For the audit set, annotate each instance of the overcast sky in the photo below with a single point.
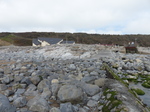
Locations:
(90, 16)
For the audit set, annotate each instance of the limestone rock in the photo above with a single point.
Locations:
(26, 80)
(72, 67)
(20, 102)
(131, 77)
(8, 92)
(54, 81)
(5, 106)
(35, 80)
(70, 93)
(100, 82)
(20, 91)
(38, 104)
(31, 91)
(92, 103)
(54, 88)
(46, 94)
(43, 84)
(91, 89)
(6, 80)
(66, 107)
(93, 73)
(54, 109)
(3, 87)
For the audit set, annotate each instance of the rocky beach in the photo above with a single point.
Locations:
(73, 78)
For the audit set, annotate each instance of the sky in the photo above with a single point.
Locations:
(88, 16)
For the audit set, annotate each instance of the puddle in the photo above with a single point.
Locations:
(145, 98)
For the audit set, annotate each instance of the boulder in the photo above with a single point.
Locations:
(91, 89)
(66, 107)
(100, 82)
(35, 79)
(26, 80)
(5, 106)
(46, 94)
(54, 88)
(8, 92)
(38, 104)
(31, 91)
(43, 84)
(20, 91)
(18, 78)
(20, 102)
(70, 93)
(6, 80)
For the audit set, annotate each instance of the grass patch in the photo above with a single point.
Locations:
(9, 38)
(41, 78)
(114, 75)
(114, 103)
(138, 91)
(146, 84)
(16, 40)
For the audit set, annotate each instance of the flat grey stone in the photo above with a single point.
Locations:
(26, 80)
(6, 80)
(91, 89)
(94, 73)
(46, 94)
(96, 97)
(54, 88)
(20, 91)
(5, 106)
(43, 84)
(88, 79)
(100, 82)
(9, 92)
(54, 109)
(35, 80)
(70, 93)
(20, 102)
(38, 104)
(66, 107)
(92, 103)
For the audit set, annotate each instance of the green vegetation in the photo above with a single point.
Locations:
(138, 91)
(16, 40)
(142, 40)
(113, 74)
(41, 78)
(9, 38)
(146, 84)
(113, 102)
(146, 80)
